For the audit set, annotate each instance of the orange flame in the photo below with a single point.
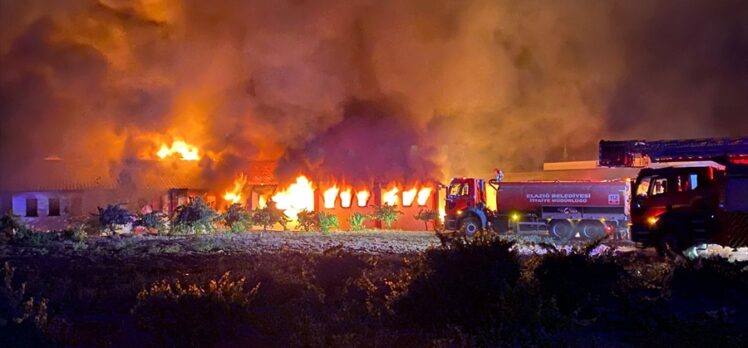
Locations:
(297, 197)
(235, 195)
(262, 202)
(390, 197)
(362, 197)
(185, 151)
(423, 195)
(409, 196)
(329, 197)
(345, 198)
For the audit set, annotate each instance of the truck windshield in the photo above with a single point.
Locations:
(458, 189)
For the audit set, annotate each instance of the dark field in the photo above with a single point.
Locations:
(367, 289)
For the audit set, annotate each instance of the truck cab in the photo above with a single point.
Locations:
(465, 207)
(676, 204)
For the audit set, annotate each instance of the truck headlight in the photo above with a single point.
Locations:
(652, 220)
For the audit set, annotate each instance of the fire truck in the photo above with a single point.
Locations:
(689, 191)
(563, 209)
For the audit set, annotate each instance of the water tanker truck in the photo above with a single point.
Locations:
(562, 209)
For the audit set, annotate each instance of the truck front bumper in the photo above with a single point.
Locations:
(642, 234)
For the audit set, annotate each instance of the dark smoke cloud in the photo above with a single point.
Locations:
(421, 88)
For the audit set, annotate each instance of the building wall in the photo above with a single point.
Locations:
(74, 205)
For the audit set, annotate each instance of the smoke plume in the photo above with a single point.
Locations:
(365, 88)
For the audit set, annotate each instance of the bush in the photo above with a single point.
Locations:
(23, 319)
(236, 218)
(269, 216)
(11, 227)
(193, 315)
(386, 214)
(580, 287)
(308, 220)
(196, 216)
(427, 216)
(114, 215)
(357, 221)
(469, 286)
(327, 222)
(154, 220)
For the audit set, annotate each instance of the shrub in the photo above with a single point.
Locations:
(427, 216)
(308, 220)
(468, 286)
(114, 215)
(327, 222)
(580, 287)
(195, 216)
(23, 319)
(357, 221)
(154, 220)
(193, 315)
(386, 214)
(269, 216)
(11, 227)
(236, 218)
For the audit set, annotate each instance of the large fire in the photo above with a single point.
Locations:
(390, 197)
(179, 148)
(409, 196)
(362, 197)
(345, 198)
(297, 197)
(423, 195)
(235, 194)
(329, 197)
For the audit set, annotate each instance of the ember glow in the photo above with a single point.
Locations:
(329, 197)
(235, 194)
(362, 197)
(179, 148)
(390, 197)
(297, 197)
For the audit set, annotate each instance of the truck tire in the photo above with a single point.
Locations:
(592, 230)
(561, 230)
(470, 226)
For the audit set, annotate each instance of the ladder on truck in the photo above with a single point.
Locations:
(640, 153)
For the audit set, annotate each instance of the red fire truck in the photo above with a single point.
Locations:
(691, 191)
(562, 209)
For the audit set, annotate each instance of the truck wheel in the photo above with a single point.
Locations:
(561, 230)
(470, 226)
(592, 230)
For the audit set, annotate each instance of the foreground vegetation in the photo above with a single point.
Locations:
(477, 293)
